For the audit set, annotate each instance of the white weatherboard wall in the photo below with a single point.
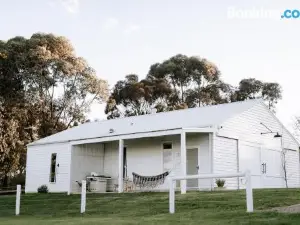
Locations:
(111, 159)
(38, 167)
(292, 159)
(246, 126)
(225, 159)
(255, 149)
(86, 158)
(145, 156)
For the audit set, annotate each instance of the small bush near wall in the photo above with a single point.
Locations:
(220, 183)
(43, 189)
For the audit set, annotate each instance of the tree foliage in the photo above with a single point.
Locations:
(44, 88)
(251, 89)
(183, 82)
(194, 81)
(133, 97)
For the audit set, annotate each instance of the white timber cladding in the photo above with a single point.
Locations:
(292, 160)
(38, 167)
(258, 149)
(145, 156)
(86, 158)
(225, 159)
(246, 126)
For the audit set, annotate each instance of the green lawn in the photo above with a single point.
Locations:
(209, 208)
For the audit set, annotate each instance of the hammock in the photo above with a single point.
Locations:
(149, 181)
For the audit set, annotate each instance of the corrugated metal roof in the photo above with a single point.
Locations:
(194, 117)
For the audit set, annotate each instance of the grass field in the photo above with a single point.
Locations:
(209, 208)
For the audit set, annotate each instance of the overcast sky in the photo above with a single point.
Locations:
(122, 37)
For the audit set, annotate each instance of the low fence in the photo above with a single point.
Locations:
(62, 204)
(18, 192)
(10, 190)
(246, 174)
(14, 201)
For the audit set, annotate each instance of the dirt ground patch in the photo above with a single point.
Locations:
(288, 209)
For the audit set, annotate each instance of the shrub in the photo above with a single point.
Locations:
(220, 182)
(43, 189)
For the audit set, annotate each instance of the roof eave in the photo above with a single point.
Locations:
(132, 136)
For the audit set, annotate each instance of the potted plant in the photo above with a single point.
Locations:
(220, 184)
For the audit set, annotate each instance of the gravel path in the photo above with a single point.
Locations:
(288, 209)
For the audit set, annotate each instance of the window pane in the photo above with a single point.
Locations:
(167, 145)
(124, 162)
(167, 156)
(53, 168)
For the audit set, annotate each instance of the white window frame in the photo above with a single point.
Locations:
(162, 153)
(55, 177)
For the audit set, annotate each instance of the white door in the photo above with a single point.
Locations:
(204, 162)
(249, 159)
(192, 167)
(264, 164)
(272, 175)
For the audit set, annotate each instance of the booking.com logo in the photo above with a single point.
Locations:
(262, 13)
(291, 14)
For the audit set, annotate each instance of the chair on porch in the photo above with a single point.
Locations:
(127, 184)
(87, 184)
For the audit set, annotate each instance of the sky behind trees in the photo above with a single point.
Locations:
(123, 37)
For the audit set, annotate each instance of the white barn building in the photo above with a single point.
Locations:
(223, 138)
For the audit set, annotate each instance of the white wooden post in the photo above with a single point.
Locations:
(18, 199)
(171, 196)
(83, 196)
(120, 179)
(210, 156)
(249, 194)
(183, 161)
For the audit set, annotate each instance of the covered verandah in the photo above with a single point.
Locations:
(111, 159)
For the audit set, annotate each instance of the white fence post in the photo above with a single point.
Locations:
(18, 199)
(249, 194)
(171, 196)
(247, 175)
(83, 196)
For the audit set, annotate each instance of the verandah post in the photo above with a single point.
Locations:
(121, 166)
(183, 161)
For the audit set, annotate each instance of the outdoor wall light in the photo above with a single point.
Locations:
(277, 135)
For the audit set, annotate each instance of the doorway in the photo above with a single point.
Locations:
(192, 167)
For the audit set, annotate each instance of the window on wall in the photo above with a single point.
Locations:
(167, 157)
(124, 162)
(53, 168)
(167, 146)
